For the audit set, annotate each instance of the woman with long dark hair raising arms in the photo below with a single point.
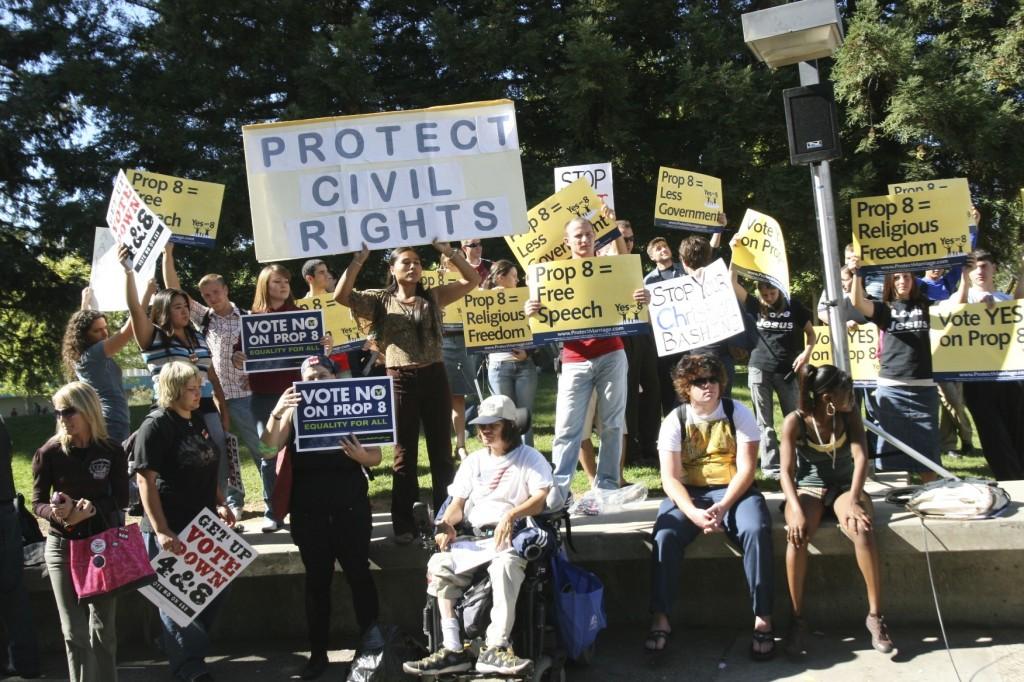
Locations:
(406, 321)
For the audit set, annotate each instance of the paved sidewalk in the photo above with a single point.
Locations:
(836, 656)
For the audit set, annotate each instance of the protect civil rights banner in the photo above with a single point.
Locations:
(187, 583)
(189, 208)
(338, 321)
(864, 351)
(688, 201)
(327, 185)
(274, 341)
(586, 298)
(495, 320)
(599, 175)
(759, 251)
(106, 279)
(688, 311)
(334, 408)
(911, 231)
(971, 342)
(135, 225)
(544, 242)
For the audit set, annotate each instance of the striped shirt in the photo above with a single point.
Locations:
(223, 334)
(166, 349)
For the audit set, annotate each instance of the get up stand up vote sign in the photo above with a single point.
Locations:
(325, 186)
(363, 406)
(187, 583)
(274, 341)
(135, 225)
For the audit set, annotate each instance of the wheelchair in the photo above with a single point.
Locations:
(534, 635)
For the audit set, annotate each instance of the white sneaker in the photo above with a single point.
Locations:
(237, 512)
(271, 525)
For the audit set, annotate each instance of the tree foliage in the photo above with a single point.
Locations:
(927, 88)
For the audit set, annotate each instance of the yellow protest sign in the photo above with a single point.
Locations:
(545, 240)
(862, 343)
(587, 298)
(189, 208)
(451, 314)
(913, 230)
(971, 342)
(338, 321)
(494, 319)
(759, 251)
(688, 201)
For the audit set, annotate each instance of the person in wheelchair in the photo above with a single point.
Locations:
(494, 487)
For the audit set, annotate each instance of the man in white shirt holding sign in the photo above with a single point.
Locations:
(497, 485)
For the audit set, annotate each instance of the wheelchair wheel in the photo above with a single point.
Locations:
(586, 656)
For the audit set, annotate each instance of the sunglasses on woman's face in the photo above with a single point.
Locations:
(701, 382)
(66, 412)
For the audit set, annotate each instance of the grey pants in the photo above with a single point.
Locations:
(90, 634)
(762, 386)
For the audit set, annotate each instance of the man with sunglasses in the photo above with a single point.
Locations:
(473, 249)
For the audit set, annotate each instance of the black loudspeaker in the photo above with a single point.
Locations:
(812, 124)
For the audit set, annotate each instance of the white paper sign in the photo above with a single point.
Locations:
(599, 175)
(187, 583)
(690, 312)
(107, 277)
(136, 225)
(468, 554)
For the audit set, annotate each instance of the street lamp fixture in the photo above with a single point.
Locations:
(793, 33)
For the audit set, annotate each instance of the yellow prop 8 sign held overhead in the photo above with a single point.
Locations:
(911, 231)
(189, 208)
(587, 298)
(688, 201)
(545, 240)
(338, 321)
(759, 251)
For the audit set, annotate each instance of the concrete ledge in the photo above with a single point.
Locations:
(977, 567)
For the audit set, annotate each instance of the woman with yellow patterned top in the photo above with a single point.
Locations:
(708, 451)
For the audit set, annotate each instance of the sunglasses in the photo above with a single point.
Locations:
(66, 412)
(701, 382)
(473, 246)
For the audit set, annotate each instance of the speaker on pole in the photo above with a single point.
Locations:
(812, 124)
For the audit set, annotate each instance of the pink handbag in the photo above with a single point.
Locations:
(113, 561)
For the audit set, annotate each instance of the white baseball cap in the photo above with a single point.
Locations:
(496, 408)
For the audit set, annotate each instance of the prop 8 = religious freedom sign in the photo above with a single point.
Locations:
(187, 583)
(325, 186)
(135, 225)
(688, 201)
(972, 342)
(281, 340)
(495, 320)
(688, 311)
(914, 230)
(586, 298)
(331, 409)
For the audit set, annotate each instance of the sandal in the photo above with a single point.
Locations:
(656, 640)
(880, 639)
(760, 637)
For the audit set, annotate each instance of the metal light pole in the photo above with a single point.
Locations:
(801, 33)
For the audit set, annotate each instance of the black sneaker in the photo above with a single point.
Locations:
(315, 667)
(441, 662)
(501, 661)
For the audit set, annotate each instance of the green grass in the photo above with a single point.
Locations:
(29, 432)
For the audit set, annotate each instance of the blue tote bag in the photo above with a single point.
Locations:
(579, 604)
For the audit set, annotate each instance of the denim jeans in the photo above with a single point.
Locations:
(518, 381)
(15, 612)
(186, 647)
(261, 408)
(607, 375)
(243, 422)
(90, 631)
(215, 427)
(762, 387)
(747, 523)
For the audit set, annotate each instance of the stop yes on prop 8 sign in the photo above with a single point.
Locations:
(135, 225)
